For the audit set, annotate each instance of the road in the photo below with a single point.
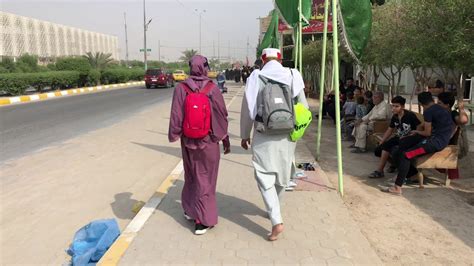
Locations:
(114, 152)
(29, 127)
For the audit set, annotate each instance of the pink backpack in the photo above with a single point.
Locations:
(197, 112)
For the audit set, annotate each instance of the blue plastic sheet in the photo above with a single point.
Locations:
(92, 241)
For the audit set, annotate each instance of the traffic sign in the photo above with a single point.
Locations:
(143, 50)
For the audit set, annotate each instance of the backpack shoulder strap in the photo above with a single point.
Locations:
(209, 86)
(187, 88)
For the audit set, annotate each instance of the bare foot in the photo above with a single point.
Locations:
(276, 230)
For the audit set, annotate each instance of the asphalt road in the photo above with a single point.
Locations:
(25, 128)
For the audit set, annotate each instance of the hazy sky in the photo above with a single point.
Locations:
(175, 23)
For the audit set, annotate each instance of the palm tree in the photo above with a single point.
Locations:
(187, 55)
(98, 60)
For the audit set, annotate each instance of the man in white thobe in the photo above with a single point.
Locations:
(273, 155)
(381, 111)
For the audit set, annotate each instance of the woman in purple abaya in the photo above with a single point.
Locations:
(200, 156)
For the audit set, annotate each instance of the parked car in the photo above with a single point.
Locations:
(179, 75)
(158, 78)
(212, 74)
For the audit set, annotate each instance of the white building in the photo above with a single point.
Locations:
(20, 35)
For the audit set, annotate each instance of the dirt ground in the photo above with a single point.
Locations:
(431, 226)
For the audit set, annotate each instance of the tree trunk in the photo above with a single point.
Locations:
(399, 80)
(376, 78)
(385, 74)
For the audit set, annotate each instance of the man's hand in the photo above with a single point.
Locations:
(245, 144)
(226, 144)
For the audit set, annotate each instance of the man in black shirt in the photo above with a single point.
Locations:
(438, 128)
(350, 86)
(402, 123)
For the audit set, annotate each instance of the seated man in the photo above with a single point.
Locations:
(348, 113)
(403, 121)
(349, 107)
(381, 111)
(447, 100)
(438, 129)
(368, 100)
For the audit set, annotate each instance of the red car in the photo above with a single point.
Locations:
(158, 78)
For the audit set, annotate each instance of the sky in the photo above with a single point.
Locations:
(174, 26)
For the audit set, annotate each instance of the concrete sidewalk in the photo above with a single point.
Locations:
(318, 227)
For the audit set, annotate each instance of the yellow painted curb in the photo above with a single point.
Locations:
(120, 246)
(4, 101)
(44, 96)
(24, 99)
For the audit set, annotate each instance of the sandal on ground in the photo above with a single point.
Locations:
(391, 190)
(376, 174)
(359, 150)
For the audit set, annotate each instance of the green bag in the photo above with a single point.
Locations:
(303, 118)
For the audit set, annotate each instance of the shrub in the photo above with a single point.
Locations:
(79, 64)
(136, 73)
(93, 78)
(17, 83)
(8, 64)
(27, 63)
(114, 76)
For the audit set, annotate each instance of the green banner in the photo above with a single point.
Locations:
(270, 39)
(356, 25)
(289, 11)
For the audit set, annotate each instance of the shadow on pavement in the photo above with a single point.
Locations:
(231, 208)
(122, 205)
(165, 149)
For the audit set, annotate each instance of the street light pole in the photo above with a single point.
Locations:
(126, 38)
(144, 36)
(145, 28)
(200, 18)
(200, 51)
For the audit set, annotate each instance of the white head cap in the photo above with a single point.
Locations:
(271, 53)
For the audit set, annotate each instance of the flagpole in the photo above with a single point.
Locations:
(296, 47)
(322, 79)
(300, 31)
(335, 44)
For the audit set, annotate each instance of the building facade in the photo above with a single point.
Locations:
(21, 35)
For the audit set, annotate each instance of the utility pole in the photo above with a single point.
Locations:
(126, 38)
(247, 47)
(218, 47)
(200, 51)
(214, 49)
(230, 59)
(144, 36)
(145, 28)
(159, 51)
(200, 18)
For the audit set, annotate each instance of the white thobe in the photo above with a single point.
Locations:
(381, 111)
(273, 155)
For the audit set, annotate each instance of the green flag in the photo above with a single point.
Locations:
(356, 25)
(289, 11)
(270, 39)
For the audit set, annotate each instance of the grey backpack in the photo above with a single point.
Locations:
(275, 108)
